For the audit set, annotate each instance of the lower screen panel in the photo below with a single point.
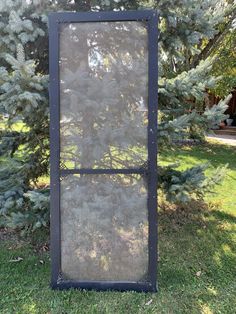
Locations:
(104, 228)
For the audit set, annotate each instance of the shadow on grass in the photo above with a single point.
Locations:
(196, 272)
(197, 255)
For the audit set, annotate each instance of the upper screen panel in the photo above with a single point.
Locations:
(103, 94)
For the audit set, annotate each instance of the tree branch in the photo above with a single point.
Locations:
(214, 42)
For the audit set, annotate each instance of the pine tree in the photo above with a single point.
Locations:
(187, 29)
(24, 99)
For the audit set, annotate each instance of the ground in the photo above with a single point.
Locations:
(197, 260)
(225, 139)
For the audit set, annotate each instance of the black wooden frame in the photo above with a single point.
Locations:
(55, 19)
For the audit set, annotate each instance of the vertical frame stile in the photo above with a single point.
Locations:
(152, 146)
(55, 20)
(54, 149)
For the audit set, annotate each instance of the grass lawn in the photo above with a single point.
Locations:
(197, 267)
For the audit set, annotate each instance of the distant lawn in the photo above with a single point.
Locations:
(17, 126)
(197, 266)
(217, 155)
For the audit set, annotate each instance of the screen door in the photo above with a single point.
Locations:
(103, 98)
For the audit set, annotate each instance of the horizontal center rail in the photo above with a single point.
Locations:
(66, 172)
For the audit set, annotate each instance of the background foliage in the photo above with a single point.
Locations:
(192, 33)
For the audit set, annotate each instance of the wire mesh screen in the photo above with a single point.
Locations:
(103, 94)
(104, 227)
(103, 124)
